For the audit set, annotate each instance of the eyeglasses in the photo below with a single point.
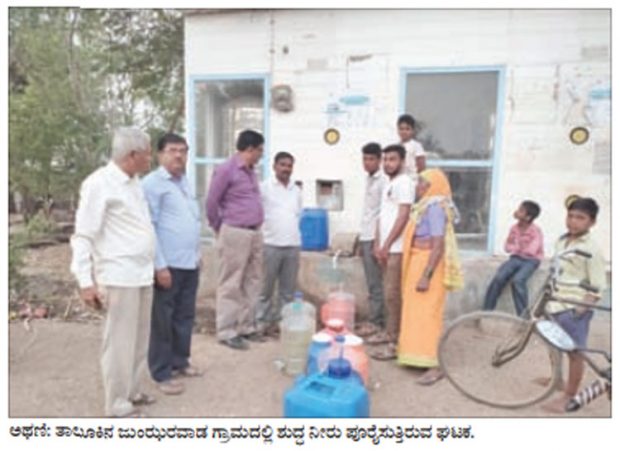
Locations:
(181, 150)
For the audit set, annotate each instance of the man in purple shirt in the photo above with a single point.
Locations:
(235, 212)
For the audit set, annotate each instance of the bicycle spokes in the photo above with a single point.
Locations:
(494, 358)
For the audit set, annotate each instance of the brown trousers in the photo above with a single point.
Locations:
(392, 294)
(239, 285)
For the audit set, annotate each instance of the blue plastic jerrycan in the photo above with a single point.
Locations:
(336, 393)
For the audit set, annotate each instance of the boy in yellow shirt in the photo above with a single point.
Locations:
(575, 320)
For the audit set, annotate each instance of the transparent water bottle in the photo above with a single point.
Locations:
(354, 352)
(337, 365)
(297, 327)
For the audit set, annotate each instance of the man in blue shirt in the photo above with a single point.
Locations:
(176, 219)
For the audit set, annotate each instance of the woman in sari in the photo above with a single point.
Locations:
(430, 267)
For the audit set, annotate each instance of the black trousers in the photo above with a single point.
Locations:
(172, 320)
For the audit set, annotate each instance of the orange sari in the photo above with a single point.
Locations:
(422, 312)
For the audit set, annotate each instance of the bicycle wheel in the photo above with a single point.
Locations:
(466, 355)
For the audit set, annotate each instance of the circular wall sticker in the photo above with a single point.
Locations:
(331, 136)
(579, 135)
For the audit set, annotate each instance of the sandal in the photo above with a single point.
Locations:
(272, 331)
(385, 353)
(188, 371)
(379, 338)
(366, 330)
(142, 399)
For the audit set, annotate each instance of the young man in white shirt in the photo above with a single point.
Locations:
(375, 180)
(396, 200)
(281, 199)
(415, 160)
(113, 260)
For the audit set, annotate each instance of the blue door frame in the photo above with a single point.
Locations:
(193, 160)
(495, 161)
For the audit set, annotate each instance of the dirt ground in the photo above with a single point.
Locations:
(54, 372)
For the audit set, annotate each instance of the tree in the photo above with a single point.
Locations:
(145, 58)
(74, 76)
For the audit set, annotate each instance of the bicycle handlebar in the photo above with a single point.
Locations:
(581, 284)
(579, 252)
(583, 254)
(556, 271)
(580, 303)
(586, 286)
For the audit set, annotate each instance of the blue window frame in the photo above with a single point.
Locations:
(219, 107)
(459, 117)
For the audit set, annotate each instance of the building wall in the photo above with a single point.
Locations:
(557, 76)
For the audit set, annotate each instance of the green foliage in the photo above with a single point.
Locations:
(16, 262)
(39, 226)
(75, 75)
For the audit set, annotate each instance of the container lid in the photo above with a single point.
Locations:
(353, 340)
(322, 337)
(339, 368)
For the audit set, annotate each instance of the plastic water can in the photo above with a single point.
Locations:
(354, 352)
(321, 342)
(334, 327)
(296, 330)
(314, 229)
(339, 305)
(324, 348)
(333, 394)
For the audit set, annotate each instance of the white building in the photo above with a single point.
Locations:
(497, 94)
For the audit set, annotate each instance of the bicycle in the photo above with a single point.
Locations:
(507, 361)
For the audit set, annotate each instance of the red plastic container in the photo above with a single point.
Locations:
(339, 305)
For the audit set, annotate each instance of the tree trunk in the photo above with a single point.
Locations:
(178, 113)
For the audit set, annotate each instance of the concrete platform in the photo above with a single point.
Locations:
(317, 278)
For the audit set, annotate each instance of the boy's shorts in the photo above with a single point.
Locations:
(575, 325)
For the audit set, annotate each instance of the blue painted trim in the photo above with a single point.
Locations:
(208, 160)
(495, 180)
(495, 162)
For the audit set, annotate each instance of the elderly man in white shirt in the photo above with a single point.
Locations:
(113, 261)
(282, 240)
